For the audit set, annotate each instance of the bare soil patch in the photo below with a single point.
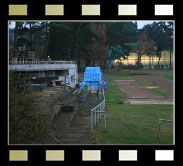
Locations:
(161, 82)
(137, 94)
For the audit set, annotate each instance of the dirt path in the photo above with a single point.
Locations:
(137, 94)
(161, 82)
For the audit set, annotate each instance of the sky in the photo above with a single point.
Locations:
(140, 24)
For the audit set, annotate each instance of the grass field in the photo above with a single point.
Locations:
(133, 124)
(136, 124)
(139, 72)
(170, 77)
(113, 95)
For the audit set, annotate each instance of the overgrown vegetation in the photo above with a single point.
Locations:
(26, 123)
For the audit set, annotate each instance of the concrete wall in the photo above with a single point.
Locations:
(41, 67)
(46, 70)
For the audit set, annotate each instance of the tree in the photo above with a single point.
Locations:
(120, 34)
(150, 50)
(141, 47)
(169, 32)
(116, 53)
(72, 41)
(161, 34)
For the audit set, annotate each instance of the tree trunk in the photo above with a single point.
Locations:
(87, 62)
(104, 65)
(108, 65)
(30, 24)
(138, 62)
(22, 38)
(93, 62)
(46, 43)
(78, 60)
(15, 39)
(159, 59)
(170, 59)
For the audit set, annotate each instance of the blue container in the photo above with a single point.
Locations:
(92, 77)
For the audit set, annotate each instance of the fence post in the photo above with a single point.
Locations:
(159, 130)
(95, 117)
(91, 121)
(105, 120)
(98, 114)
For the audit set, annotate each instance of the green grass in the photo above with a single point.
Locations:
(170, 77)
(135, 124)
(126, 72)
(114, 95)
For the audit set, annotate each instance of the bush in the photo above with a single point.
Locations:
(26, 124)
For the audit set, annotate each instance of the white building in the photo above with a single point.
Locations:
(43, 69)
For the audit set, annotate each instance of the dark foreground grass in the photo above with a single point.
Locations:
(136, 124)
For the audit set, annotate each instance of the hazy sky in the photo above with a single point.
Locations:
(140, 24)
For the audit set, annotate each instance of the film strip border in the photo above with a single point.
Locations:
(89, 9)
(90, 155)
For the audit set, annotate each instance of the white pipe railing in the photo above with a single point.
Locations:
(96, 114)
(163, 120)
(40, 62)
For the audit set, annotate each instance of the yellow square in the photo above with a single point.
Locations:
(18, 155)
(54, 9)
(54, 155)
(90, 9)
(17, 10)
(91, 155)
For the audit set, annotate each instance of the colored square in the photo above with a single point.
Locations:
(91, 155)
(163, 10)
(54, 155)
(127, 155)
(90, 10)
(127, 9)
(54, 10)
(164, 155)
(18, 155)
(15, 10)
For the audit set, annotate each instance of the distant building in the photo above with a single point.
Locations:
(148, 60)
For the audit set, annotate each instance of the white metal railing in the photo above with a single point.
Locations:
(40, 62)
(162, 120)
(96, 114)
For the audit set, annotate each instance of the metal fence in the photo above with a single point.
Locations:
(23, 62)
(96, 114)
(162, 120)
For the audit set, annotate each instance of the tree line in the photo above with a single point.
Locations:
(89, 43)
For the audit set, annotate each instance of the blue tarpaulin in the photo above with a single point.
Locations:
(92, 78)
